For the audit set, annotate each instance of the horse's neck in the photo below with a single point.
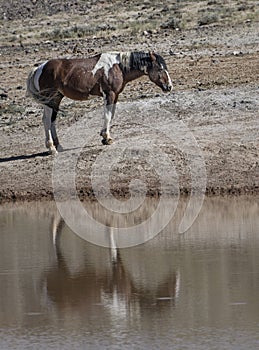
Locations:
(134, 65)
(132, 75)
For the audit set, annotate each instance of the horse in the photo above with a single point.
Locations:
(104, 74)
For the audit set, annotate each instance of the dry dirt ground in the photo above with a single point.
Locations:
(209, 122)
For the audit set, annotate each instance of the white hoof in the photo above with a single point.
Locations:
(53, 151)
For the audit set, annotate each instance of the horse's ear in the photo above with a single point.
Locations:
(152, 56)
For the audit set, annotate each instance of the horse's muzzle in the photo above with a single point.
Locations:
(166, 88)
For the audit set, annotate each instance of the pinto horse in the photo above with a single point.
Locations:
(104, 75)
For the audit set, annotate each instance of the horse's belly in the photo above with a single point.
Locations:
(79, 84)
(96, 91)
(75, 94)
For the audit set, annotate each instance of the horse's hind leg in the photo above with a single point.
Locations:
(54, 135)
(47, 114)
(57, 98)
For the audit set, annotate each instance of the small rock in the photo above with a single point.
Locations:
(3, 94)
(165, 9)
(237, 53)
(172, 23)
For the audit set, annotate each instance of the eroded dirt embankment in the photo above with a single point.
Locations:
(217, 126)
(214, 69)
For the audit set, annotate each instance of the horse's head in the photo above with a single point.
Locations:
(158, 72)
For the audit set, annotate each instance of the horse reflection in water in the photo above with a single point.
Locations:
(104, 75)
(104, 278)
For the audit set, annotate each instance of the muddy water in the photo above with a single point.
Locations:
(197, 290)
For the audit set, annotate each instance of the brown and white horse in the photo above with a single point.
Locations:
(104, 75)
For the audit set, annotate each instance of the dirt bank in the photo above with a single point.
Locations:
(212, 114)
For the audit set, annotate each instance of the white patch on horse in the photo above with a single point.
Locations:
(37, 75)
(106, 61)
(125, 60)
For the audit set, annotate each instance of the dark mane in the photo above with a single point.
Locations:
(139, 60)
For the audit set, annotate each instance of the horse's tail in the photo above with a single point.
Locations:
(31, 88)
(42, 97)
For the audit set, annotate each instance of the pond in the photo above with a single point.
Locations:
(195, 290)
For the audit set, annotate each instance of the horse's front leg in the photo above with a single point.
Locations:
(109, 111)
(47, 114)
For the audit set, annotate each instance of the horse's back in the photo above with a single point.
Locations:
(72, 77)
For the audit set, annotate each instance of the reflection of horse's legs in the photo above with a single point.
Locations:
(109, 111)
(57, 227)
(47, 114)
(113, 245)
